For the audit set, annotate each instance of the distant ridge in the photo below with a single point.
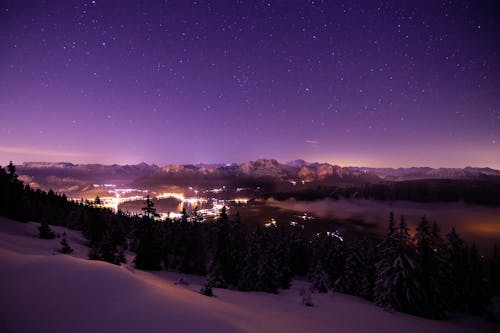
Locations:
(260, 168)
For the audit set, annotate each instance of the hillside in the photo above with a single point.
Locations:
(44, 291)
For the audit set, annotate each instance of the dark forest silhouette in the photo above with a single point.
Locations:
(428, 274)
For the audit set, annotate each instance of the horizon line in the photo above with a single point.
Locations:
(252, 160)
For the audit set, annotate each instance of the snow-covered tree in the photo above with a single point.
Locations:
(319, 278)
(267, 267)
(358, 276)
(65, 247)
(395, 284)
(248, 276)
(207, 290)
(328, 261)
(282, 258)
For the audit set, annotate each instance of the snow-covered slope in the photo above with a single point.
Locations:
(44, 291)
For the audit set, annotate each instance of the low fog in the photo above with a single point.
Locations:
(479, 224)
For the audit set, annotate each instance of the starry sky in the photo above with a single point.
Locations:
(372, 83)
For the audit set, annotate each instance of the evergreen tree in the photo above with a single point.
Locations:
(149, 209)
(358, 277)
(65, 248)
(328, 261)
(45, 232)
(148, 251)
(299, 252)
(282, 258)
(249, 272)
(267, 268)
(266, 264)
(456, 257)
(106, 249)
(395, 284)
(192, 260)
(166, 244)
(207, 290)
(185, 216)
(319, 278)
(476, 298)
(493, 311)
(237, 247)
(11, 169)
(219, 265)
(494, 273)
(430, 271)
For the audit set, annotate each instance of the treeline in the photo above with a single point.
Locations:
(229, 256)
(484, 192)
(106, 231)
(427, 274)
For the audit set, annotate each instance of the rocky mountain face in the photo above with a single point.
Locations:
(265, 168)
(76, 176)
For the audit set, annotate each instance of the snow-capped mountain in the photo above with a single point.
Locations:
(68, 177)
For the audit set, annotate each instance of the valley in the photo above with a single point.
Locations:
(310, 197)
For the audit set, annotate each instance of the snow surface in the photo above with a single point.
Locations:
(42, 290)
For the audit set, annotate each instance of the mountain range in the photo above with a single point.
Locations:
(68, 177)
(260, 168)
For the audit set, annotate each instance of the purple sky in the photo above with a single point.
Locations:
(374, 83)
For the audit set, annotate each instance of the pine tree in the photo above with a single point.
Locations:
(358, 277)
(395, 285)
(185, 216)
(207, 290)
(299, 252)
(328, 261)
(108, 250)
(149, 209)
(45, 232)
(494, 273)
(249, 270)
(475, 286)
(430, 271)
(493, 311)
(319, 278)
(219, 265)
(456, 257)
(192, 259)
(237, 247)
(148, 252)
(65, 248)
(282, 257)
(267, 268)
(11, 169)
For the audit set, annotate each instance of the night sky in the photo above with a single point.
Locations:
(372, 83)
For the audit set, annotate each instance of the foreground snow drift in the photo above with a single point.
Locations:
(43, 291)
